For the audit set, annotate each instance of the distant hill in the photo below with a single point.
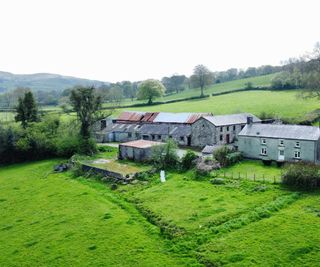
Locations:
(42, 81)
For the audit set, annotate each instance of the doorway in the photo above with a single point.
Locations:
(228, 138)
(281, 155)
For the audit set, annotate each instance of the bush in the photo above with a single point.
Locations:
(188, 160)
(218, 181)
(302, 175)
(267, 162)
(165, 156)
(227, 156)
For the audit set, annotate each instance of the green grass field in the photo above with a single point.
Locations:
(57, 220)
(284, 104)
(259, 81)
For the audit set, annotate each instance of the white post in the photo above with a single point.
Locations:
(162, 176)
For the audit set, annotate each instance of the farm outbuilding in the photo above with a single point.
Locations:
(139, 150)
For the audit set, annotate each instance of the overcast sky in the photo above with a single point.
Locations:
(114, 40)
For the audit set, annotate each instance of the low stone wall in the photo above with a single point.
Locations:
(103, 172)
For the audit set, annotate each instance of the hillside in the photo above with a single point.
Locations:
(284, 104)
(41, 81)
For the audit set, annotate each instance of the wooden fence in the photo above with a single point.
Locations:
(276, 179)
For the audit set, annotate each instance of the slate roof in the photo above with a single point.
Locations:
(209, 149)
(141, 143)
(122, 127)
(165, 129)
(298, 132)
(231, 119)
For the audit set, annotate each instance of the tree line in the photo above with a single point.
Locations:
(116, 92)
(301, 73)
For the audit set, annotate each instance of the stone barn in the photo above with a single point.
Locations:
(138, 150)
(220, 129)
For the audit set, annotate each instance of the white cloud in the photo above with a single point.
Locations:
(122, 39)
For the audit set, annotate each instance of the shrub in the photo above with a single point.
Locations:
(217, 181)
(165, 156)
(302, 175)
(267, 162)
(188, 160)
(227, 156)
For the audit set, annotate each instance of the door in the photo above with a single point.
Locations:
(228, 138)
(281, 155)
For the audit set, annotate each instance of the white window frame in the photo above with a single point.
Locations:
(264, 151)
(297, 154)
(263, 141)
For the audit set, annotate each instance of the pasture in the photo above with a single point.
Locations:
(61, 220)
(283, 104)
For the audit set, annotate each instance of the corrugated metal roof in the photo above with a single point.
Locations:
(131, 116)
(298, 132)
(231, 119)
(122, 127)
(141, 144)
(149, 116)
(189, 118)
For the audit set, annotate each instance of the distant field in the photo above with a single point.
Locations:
(259, 81)
(284, 104)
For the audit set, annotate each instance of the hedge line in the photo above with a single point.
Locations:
(160, 102)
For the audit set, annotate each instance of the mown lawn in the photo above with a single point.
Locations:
(283, 104)
(55, 220)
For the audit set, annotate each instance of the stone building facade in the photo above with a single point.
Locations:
(280, 142)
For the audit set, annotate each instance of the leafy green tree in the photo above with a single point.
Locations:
(27, 110)
(201, 77)
(165, 156)
(87, 104)
(149, 89)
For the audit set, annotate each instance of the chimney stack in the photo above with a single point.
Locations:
(249, 120)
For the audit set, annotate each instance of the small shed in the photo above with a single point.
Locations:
(138, 150)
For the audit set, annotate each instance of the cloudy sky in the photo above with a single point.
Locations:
(114, 40)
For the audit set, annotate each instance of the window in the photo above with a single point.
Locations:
(234, 127)
(264, 151)
(263, 141)
(153, 136)
(297, 144)
(297, 154)
(281, 142)
(159, 137)
(227, 128)
(221, 129)
(221, 137)
(281, 152)
(170, 136)
(129, 135)
(181, 138)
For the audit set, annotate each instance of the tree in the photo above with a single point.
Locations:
(174, 83)
(150, 89)
(87, 105)
(27, 110)
(201, 77)
(165, 156)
